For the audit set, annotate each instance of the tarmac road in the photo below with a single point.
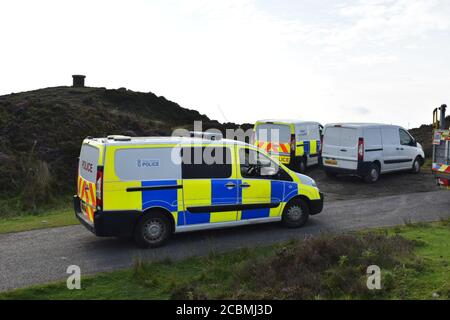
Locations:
(42, 256)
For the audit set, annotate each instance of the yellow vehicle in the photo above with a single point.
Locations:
(296, 144)
(441, 148)
(153, 187)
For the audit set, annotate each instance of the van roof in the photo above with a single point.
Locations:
(359, 125)
(290, 121)
(124, 140)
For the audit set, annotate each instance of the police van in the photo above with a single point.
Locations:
(296, 143)
(152, 187)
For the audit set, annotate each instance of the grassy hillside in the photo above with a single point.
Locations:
(41, 132)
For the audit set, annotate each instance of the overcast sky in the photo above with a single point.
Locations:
(329, 61)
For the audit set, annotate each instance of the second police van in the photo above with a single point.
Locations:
(150, 188)
(295, 143)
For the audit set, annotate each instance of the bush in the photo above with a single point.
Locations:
(330, 267)
(31, 179)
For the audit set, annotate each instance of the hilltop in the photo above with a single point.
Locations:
(41, 132)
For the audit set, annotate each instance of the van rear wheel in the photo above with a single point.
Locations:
(373, 174)
(299, 165)
(295, 213)
(152, 230)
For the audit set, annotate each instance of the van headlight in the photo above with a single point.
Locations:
(307, 180)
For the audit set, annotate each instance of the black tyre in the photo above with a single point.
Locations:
(152, 230)
(295, 213)
(373, 174)
(416, 166)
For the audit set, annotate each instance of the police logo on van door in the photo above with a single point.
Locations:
(147, 163)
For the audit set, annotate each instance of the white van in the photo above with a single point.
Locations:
(368, 150)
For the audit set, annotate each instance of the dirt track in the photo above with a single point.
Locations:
(350, 187)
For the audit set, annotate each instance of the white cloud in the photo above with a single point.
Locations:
(379, 23)
(253, 61)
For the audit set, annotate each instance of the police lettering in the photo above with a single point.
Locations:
(86, 166)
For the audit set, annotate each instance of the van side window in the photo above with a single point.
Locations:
(256, 165)
(139, 164)
(390, 136)
(405, 138)
(206, 163)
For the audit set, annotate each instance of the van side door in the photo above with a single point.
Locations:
(210, 187)
(373, 146)
(261, 186)
(391, 148)
(408, 148)
(314, 144)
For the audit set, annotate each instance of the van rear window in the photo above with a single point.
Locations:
(88, 162)
(273, 133)
(342, 137)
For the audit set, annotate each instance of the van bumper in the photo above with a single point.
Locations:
(80, 216)
(361, 170)
(316, 206)
(108, 223)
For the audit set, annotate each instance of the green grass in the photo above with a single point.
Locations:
(429, 273)
(414, 269)
(14, 217)
(54, 218)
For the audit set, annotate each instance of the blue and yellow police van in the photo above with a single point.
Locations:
(152, 187)
(296, 143)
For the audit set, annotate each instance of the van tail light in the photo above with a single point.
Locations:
(361, 149)
(292, 143)
(99, 188)
(321, 145)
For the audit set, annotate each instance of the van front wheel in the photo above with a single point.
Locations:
(416, 166)
(295, 213)
(152, 230)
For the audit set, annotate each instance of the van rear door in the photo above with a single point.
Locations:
(274, 138)
(86, 182)
(340, 147)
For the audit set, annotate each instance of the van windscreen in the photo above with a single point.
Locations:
(273, 133)
(88, 163)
